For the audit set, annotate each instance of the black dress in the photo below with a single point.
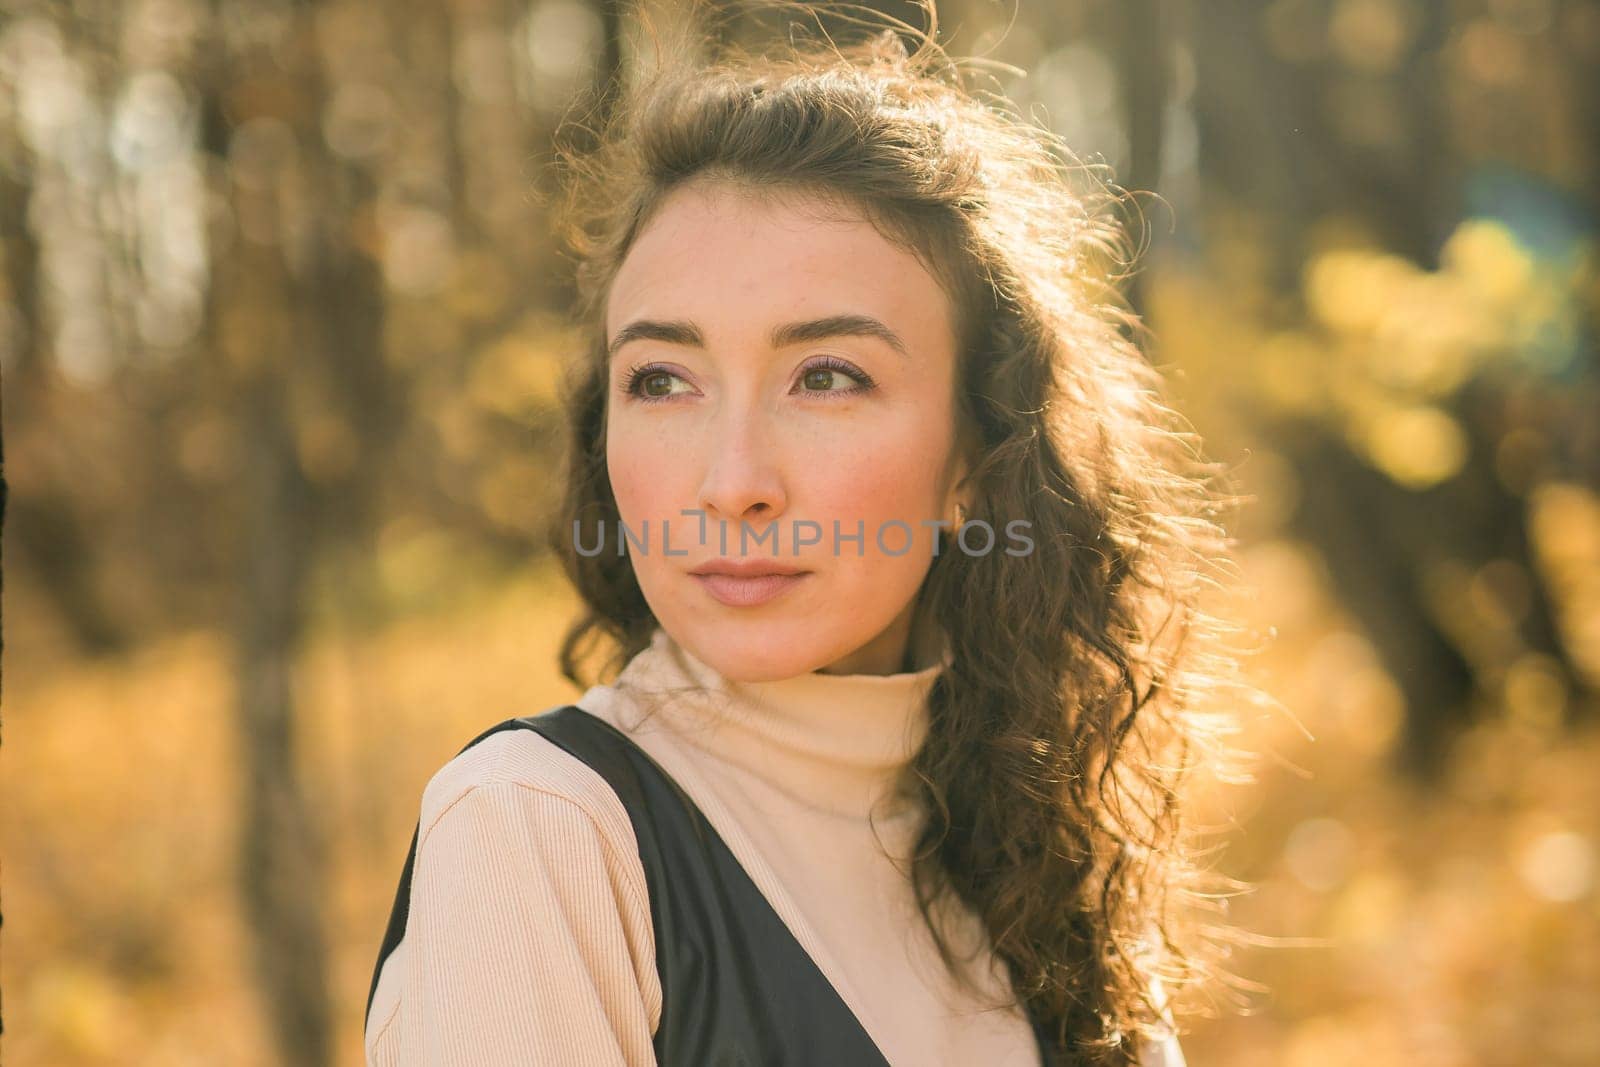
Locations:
(737, 989)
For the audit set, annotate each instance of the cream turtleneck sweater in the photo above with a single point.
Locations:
(529, 937)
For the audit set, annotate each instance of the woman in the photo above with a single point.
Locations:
(892, 540)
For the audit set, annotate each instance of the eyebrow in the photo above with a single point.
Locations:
(679, 332)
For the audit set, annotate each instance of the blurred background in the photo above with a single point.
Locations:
(281, 327)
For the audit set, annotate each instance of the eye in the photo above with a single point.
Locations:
(651, 382)
(830, 374)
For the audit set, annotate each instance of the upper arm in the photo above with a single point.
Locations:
(529, 935)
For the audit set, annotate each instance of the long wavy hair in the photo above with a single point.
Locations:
(1076, 703)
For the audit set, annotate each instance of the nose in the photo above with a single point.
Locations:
(743, 480)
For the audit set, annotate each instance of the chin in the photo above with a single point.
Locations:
(755, 651)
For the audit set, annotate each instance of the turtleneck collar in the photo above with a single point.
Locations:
(833, 742)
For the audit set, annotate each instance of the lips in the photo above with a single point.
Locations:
(747, 583)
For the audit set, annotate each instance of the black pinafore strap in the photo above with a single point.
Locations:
(738, 990)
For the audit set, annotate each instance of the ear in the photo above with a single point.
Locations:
(958, 506)
(961, 491)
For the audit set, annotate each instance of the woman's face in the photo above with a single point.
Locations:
(775, 372)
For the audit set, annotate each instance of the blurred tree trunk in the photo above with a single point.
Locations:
(252, 318)
(281, 868)
(1142, 41)
(594, 106)
(609, 74)
(1273, 140)
(19, 251)
(295, 319)
(1366, 529)
(5, 492)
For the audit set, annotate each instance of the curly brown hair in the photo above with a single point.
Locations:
(1062, 732)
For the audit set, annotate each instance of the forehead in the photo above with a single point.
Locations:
(730, 260)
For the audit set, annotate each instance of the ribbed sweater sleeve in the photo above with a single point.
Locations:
(528, 938)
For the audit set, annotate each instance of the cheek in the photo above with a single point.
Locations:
(641, 469)
(885, 478)
(629, 479)
(640, 483)
(878, 492)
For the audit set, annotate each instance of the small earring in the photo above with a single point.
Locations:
(961, 516)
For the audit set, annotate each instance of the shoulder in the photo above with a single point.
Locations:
(521, 771)
(528, 892)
